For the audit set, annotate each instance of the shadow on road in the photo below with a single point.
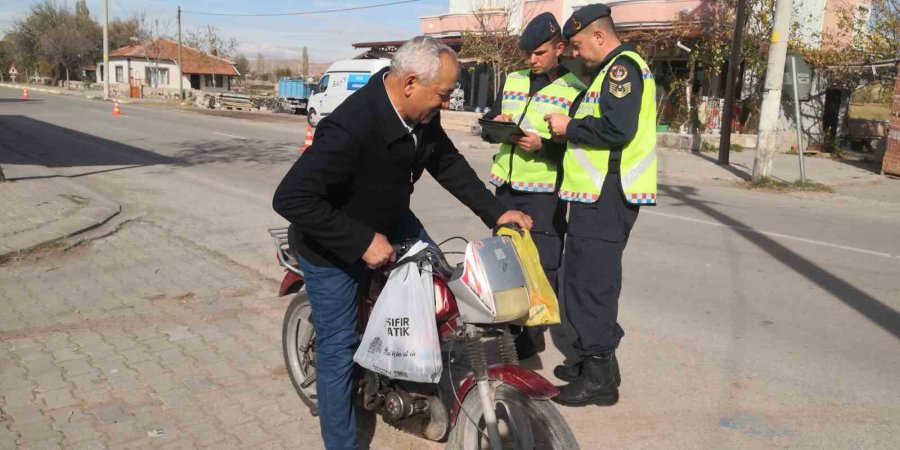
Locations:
(20, 100)
(742, 174)
(25, 141)
(882, 315)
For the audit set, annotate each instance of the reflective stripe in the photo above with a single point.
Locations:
(585, 163)
(632, 175)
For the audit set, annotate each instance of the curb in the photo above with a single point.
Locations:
(123, 101)
(98, 212)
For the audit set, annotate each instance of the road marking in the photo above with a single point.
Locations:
(230, 135)
(773, 234)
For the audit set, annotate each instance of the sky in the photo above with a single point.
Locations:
(327, 36)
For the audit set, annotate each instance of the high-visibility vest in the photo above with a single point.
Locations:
(532, 171)
(585, 167)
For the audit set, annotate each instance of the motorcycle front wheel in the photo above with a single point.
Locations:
(298, 340)
(524, 423)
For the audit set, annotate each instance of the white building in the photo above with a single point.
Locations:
(150, 69)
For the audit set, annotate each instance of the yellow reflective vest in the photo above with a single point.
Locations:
(585, 167)
(532, 171)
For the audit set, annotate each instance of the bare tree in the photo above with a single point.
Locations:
(494, 39)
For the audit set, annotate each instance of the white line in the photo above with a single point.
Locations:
(777, 235)
(229, 135)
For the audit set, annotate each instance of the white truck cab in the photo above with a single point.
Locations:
(342, 79)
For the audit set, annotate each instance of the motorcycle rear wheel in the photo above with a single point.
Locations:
(301, 366)
(524, 423)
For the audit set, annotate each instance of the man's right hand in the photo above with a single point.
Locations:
(517, 217)
(503, 118)
(379, 253)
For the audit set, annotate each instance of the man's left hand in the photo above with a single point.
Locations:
(557, 124)
(517, 217)
(531, 142)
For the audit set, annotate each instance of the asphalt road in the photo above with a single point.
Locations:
(752, 319)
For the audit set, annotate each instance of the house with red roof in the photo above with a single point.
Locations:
(142, 67)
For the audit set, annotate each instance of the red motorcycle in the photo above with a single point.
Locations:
(479, 405)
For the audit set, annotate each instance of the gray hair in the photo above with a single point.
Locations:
(422, 56)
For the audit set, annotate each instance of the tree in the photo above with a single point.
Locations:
(122, 31)
(260, 65)
(304, 62)
(242, 64)
(493, 41)
(282, 72)
(210, 40)
(53, 36)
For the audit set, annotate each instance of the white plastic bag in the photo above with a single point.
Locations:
(401, 338)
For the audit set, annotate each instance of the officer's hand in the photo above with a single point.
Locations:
(531, 142)
(379, 253)
(557, 124)
(503, 118)
(517, 217)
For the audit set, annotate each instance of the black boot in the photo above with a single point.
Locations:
(571, 373)
(529, 341)
(596, 384)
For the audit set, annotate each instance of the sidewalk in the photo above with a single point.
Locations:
(39, 206)
(851, 178)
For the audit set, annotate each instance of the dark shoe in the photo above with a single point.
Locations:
(572, 372)
(595, 386)
(530, 342)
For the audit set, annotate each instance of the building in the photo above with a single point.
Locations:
(150, 69)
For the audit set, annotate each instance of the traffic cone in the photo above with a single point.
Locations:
(309, 138)
(24, 93)
(116, 110)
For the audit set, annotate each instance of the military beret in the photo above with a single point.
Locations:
(583, 17)
(541, 29)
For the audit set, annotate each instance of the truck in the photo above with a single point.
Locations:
(295, 92)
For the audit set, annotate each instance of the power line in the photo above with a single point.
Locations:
(305, 13)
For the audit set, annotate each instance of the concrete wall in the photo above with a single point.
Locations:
(136, 68)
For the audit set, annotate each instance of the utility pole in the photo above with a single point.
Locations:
(180, 61)
(105, 49)
(771, 103)
(733, 64)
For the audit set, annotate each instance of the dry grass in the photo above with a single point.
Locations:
(870, 111)
(771, 184)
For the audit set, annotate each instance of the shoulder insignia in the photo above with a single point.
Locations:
(618, 72)
(620, 90)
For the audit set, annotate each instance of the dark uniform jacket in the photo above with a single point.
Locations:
(357, 177)
(619, 122)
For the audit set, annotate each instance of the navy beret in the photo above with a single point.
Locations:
(583, 17)
(541, 29)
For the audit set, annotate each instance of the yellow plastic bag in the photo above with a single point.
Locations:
(544, 305)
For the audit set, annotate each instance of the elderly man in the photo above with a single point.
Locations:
(348, 198)
(609, 172)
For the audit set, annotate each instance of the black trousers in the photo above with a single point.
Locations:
(597, 234)
(549, 216)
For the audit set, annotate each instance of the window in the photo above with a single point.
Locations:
(120, 73)
(323, 84)
(156, 76)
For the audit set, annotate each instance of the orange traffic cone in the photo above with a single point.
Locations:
(116, 110)
(25, 94)
(309, 138)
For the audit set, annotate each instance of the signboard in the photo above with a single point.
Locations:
(804, 78)
(357, 80)
(13, 71)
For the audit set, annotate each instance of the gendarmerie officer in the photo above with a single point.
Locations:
(526, 170)
(609, 171)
